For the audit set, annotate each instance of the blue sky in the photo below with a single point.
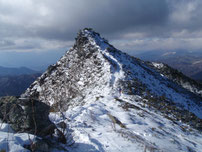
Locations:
(35, 33)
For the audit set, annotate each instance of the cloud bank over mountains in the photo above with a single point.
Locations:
(42, 25)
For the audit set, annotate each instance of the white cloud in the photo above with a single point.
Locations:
(165, 44)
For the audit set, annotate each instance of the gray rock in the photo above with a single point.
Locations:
(26, 115)
(40, 145)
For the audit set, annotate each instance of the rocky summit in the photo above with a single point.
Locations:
(112, 101)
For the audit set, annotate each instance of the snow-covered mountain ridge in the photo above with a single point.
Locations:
(115, 102)
(93, 64)
(178, 77)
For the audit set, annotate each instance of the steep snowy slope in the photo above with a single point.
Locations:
(178, 77)
(115, 102)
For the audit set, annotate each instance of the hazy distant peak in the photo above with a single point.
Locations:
(169, 53)
(5, 71)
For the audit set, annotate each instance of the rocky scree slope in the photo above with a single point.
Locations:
(104, 93)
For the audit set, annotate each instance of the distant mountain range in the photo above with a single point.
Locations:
(5, 71)
(14, 81)
(188, 62)
(16, 85)
(198, 76)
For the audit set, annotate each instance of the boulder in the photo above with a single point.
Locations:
(26, 115)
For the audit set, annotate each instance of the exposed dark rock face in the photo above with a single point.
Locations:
(38, 145)
(26, 115)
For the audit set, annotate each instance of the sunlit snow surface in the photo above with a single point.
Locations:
(13, 142)
(93, 130)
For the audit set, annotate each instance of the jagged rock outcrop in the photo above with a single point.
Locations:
(26, 115)
(75, 74)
